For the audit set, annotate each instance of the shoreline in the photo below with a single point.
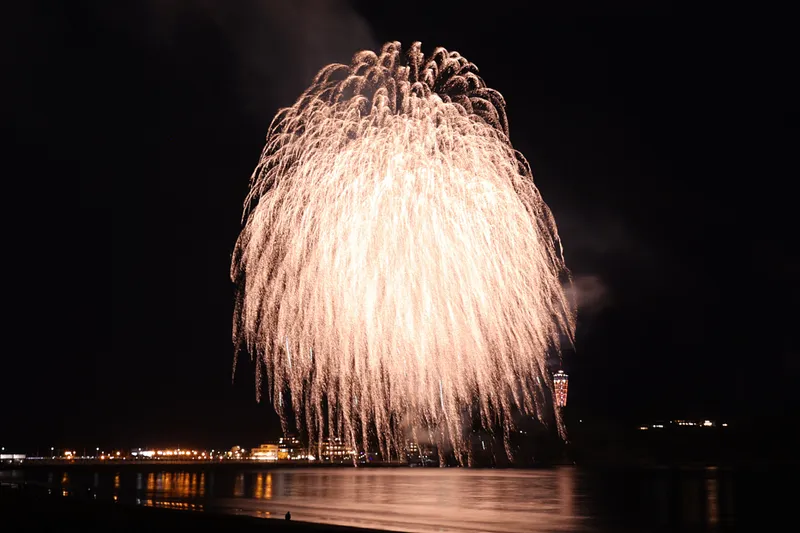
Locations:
(261, 466)
(250, 465)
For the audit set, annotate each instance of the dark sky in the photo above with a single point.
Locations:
(662, 147)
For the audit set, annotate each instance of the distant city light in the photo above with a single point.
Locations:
(287, 449)
(686, 423)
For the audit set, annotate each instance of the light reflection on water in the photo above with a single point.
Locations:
(421, 499)
(175, 485)
(713, 495)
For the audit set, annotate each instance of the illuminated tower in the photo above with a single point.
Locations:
(561, 384)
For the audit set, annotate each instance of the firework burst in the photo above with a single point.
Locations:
(398, 270)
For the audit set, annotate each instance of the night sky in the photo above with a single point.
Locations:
(662, 146)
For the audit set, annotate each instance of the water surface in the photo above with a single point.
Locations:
(433, 499)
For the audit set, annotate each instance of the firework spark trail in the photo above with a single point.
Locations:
(398, 268)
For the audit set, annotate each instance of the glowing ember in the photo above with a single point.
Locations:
(398, 271)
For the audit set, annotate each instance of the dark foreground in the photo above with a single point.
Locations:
(31, 509)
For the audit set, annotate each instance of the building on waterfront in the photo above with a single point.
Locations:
(420, 455)
(265, 452)
(335, 451)
(291, 449)
(412, 450)
(561, 385)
